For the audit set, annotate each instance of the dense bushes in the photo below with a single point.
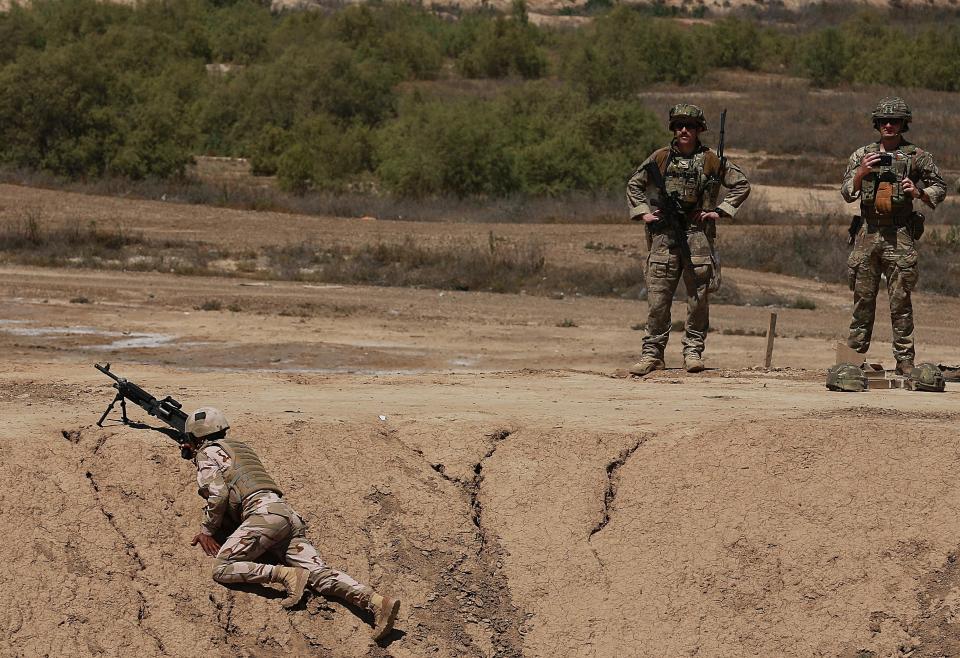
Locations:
(536, 139)
(372, 96)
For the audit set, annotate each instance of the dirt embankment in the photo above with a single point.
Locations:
(477, 454)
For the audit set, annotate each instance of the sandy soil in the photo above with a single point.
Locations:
(493, 469)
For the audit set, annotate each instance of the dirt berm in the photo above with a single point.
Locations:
(465, 452)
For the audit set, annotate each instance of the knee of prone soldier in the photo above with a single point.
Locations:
(220, 570)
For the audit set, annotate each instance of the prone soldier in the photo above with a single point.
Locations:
(681, 232)
(887, 176)
(237, 487)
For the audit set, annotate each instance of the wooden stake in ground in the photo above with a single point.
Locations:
(771, 332)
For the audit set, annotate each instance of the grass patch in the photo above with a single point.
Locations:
(567, 323)
(774, 299)
(496, 264)
(742, 332)
(599, 246)
(209, 305)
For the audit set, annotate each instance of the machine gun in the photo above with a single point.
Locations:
(168, 410)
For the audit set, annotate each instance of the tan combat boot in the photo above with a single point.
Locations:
(293, 579)
(905, 367)
(646, 365)
(693, 362)
(384, 609)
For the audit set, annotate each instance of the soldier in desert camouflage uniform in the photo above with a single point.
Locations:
(692, 174)
(886, 243)
(237, 487)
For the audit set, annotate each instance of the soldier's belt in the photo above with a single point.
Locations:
(877, 220)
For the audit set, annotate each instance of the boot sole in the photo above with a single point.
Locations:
(388, 624)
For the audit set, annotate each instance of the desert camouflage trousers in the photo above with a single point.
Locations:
(891, 253)
(280, 531)
(665, 268)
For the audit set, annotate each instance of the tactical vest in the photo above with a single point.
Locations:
(692, 179)
(246, 473)
(900, 167)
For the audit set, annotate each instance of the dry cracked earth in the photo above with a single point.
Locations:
(463, 451)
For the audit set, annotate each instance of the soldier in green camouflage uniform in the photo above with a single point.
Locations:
(886, 243)
(693, 175)
(236, 486)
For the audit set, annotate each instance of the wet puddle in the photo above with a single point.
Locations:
(122, 340)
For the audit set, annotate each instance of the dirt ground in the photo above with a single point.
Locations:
(468, 453)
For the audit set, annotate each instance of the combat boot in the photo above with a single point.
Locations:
(693, 362)
(905, 367)
(384, 609)
(293, 579)
(646, 365)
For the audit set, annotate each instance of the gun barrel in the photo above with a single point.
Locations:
(723, 127)
(106, 370)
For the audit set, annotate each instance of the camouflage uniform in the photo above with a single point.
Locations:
(886, 243)
(267, 524)
(689, 177)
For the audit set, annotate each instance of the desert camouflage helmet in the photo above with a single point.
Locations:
(926, 377)
(205, 421)
(687, 111)
(892, 107)
(846, 377)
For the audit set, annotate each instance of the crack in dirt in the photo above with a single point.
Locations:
(486, 593)
(129, 546)
(143, 609)
(473, 487)
(609, 495)
(505, 625)
(142, 613)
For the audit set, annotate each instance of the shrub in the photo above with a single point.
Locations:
(323, 153)
(437, 147)
(625, 50)
(503, 46)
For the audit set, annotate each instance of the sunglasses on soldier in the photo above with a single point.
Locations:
(680, 125)
(892, 122)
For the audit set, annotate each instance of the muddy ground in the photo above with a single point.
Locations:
(471, 454)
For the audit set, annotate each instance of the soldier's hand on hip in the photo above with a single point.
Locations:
(651, 217)
(207, 543)
(707, 216)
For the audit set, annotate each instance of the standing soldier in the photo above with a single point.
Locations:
(237, 487)
(887, 176)
(681, 232)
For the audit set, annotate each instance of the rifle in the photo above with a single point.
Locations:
(723, 129)
(717, 277)
(672, 215)
(168, 410)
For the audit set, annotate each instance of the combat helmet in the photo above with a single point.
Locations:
(687, 111)
(892, 107)
(926, 377)
(846, 377)
(205, 421)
